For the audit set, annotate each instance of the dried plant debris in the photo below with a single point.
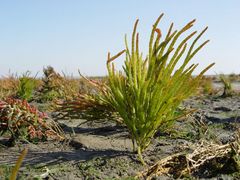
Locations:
(207, 160)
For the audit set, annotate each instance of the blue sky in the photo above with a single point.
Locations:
(74, 34)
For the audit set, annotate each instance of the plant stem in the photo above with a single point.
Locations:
(134, 147)
(140, 156)
(18, 164)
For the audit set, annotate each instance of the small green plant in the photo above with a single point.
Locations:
(51, 84)
(21, 120)
(227, 86)
(56, 86)
(26, 86)
(148, 90)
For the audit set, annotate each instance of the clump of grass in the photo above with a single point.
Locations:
(148, 90)
(8, 86)
(227, 86)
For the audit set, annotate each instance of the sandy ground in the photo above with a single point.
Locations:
(103, 150)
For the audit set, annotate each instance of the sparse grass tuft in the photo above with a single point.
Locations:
(8, 86)
(227, 86)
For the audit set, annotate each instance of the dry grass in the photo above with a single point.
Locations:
(206, 160)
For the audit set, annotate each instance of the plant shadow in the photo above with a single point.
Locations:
(105, 131)
(235, 119)
(52, 158)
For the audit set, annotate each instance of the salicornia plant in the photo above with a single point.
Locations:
(148, 90)
(19, 119)
(227, 86)
(26, 86)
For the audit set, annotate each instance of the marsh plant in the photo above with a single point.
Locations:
(56, 86)
(8, 86)
(26, 86)
(50, 86)
(227, 86)
(148, 90)
(18, 119)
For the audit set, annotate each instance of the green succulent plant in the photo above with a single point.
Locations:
(227, 86)
(149, 90)
(21, 120)
(26, 86)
